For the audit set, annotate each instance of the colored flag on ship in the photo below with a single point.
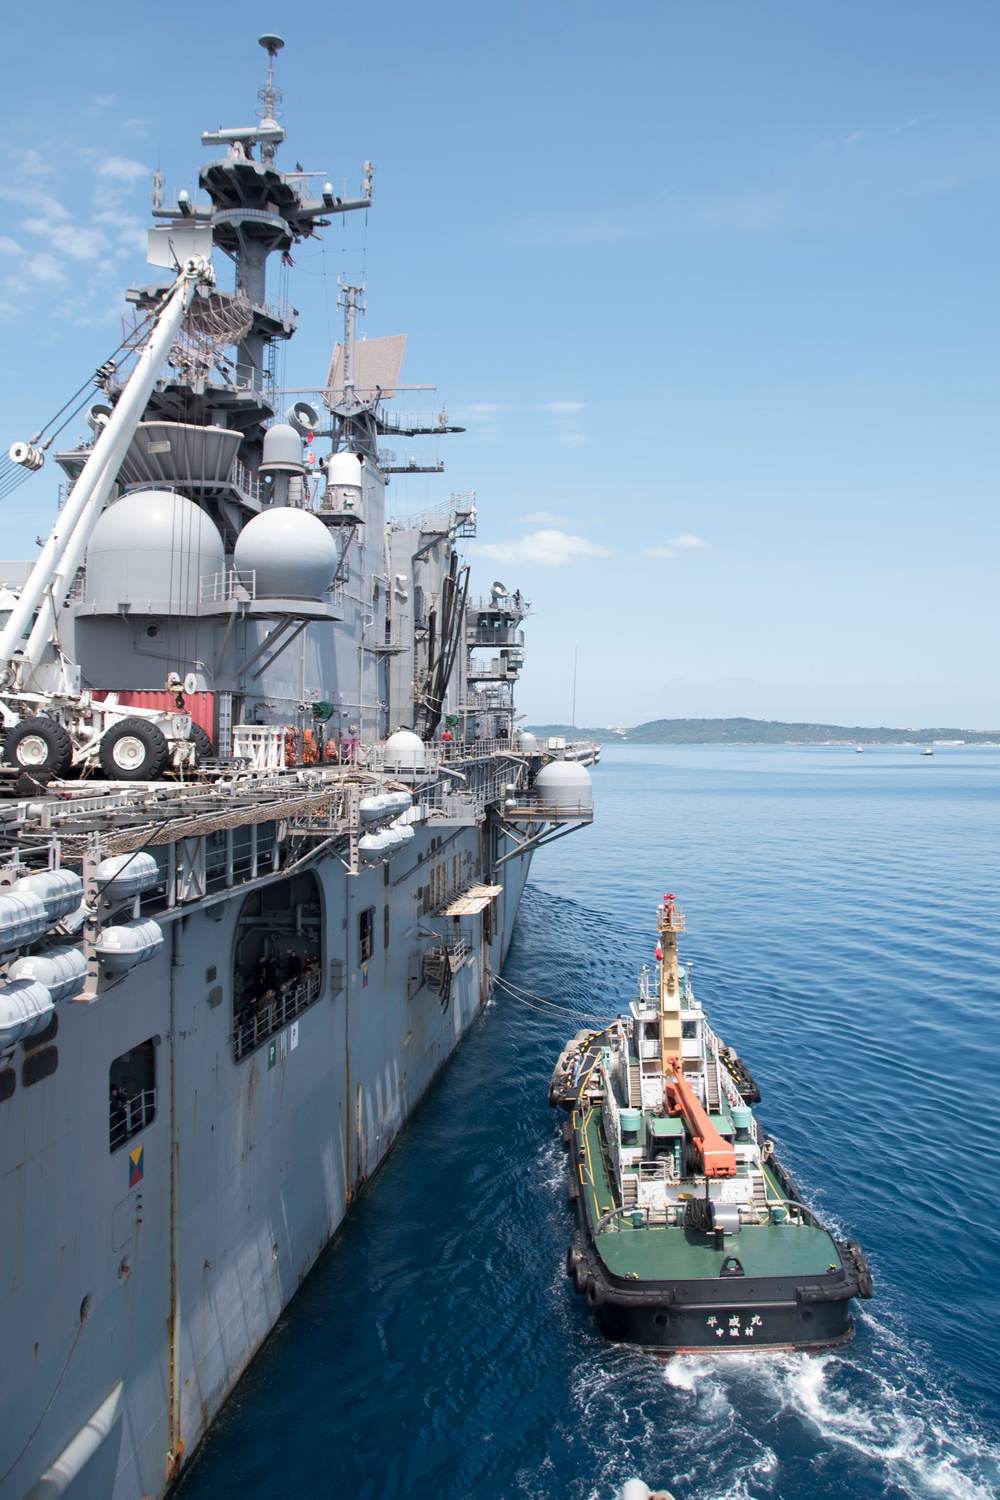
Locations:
(135, 1166)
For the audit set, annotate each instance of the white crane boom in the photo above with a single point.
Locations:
(63, 551)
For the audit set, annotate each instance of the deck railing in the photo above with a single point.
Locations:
(130, 1115)
(260, 1020)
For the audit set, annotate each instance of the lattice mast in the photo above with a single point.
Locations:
(670, 922)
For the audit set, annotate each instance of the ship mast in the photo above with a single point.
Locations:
(670, 921)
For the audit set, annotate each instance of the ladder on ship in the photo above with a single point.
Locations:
(712, 1085)
(630, 1192)
(634, 1085)
(759, 1197)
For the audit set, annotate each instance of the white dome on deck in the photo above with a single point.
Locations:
(282, 450)
(565, 784)
(291, 553)
(153, 545)
(405, 751)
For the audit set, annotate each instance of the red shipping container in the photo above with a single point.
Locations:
(201, 706)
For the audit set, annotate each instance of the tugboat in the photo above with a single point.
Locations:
(690, 1234)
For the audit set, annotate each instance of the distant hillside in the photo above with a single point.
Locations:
(764, 732)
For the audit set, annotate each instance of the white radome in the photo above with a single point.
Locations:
(564, 784)
(290, 552)
(405, 751)
(153, 545)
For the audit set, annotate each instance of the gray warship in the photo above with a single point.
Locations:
(266, 820)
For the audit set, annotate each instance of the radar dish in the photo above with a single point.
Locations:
(377, 364)
(270, 42)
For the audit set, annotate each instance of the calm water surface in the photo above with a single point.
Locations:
(842, 918)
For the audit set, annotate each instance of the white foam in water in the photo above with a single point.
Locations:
(882, 1414)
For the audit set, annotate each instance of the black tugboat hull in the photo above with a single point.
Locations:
(728, 1312)
(682, 1329)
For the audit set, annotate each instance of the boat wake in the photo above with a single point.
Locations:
(869, 1422)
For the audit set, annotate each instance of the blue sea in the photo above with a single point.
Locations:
(842, 919)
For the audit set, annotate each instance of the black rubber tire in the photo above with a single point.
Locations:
(595, 1294)
(203, 747)
(572, 1260)
(40, 733)
(861, 1268)
(580, 1278)
(125, 764)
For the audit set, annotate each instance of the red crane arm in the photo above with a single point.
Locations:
(717, 1155)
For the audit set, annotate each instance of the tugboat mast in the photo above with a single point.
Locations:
(670, 921)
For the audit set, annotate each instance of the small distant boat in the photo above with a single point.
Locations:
(927, 750)
(859, 749)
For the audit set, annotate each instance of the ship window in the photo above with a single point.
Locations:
(132, 1092)
(689, 1029)
(278, 960)
(366, 934)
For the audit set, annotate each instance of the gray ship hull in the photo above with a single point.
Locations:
(136, 1309)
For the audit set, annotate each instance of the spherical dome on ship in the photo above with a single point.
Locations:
(282, 450)
(345, 468)
(153, 545)
(291, 553)
(405, 751)
(565, 784)
(526, 742)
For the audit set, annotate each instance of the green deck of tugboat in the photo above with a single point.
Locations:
(663, 1252)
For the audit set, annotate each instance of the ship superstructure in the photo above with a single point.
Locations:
(268, 822)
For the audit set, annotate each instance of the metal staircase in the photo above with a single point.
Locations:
(759, 1197)
(712, 1083)
(634, 1085)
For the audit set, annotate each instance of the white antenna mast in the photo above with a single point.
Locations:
(269, 96)
(350, 301)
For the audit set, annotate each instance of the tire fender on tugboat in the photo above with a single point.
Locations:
(595, 1294)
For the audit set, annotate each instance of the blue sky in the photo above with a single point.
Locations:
(721, 271)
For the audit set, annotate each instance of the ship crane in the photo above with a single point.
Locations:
(717, 1155)
(52, 723)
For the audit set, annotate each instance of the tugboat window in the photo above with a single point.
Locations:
(278, 961)
(132, 1093)
(366, 934)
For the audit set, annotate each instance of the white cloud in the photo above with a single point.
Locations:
(685, 541)
(544, 518)
(39, 203)
(122, 169)
(544, 549)
(73, 240)
(45, 267)
(9, 246)
(563, 406)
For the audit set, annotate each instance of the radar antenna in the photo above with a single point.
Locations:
(269, 96)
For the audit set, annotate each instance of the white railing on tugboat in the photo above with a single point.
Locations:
(715, 1046)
